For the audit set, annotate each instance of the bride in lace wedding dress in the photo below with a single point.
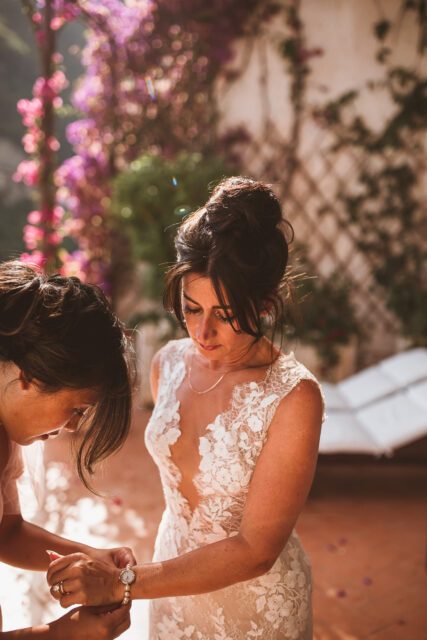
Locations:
(234, 432)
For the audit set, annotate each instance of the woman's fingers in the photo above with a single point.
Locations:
(123, 556)
(121, 628)
(62, 563)
(55, 592)
(119, 620)
(65, 588)
(65, 575)
(69, 599)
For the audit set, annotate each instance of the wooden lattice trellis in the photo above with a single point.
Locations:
(311, 203)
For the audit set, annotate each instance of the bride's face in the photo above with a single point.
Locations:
(29, 414)
(207, 322)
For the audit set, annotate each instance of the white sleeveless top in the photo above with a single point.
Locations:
(9, 499)
(274, 606)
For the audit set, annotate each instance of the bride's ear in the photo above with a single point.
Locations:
(24, 380)
(266, 310)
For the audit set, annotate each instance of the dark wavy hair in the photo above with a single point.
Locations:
(63, 334)
(239, 240)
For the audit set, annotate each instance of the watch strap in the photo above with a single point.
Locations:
(126, 596)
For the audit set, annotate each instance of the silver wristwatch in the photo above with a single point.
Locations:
(127, 577)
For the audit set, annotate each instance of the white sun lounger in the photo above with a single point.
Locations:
(379, 409)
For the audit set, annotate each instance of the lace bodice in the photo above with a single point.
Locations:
(275, 605)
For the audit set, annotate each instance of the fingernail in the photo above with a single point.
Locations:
(52, 554)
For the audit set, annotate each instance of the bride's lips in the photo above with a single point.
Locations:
(209, 347)
(52, 434)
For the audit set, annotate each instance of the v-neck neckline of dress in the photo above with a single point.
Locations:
(207, 432)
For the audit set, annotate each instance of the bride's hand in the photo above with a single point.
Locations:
(119, 556)
(86, 580)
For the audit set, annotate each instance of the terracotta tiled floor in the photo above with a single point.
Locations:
(364, 528)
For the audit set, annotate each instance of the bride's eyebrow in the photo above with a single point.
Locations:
(190, 299)
(217, 306)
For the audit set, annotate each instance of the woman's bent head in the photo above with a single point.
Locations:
(237, 241)
(62, 363)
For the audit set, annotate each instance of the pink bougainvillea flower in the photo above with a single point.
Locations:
(32, 236)
(30, 111)
(36, 258)
(54, 238)
(58, 214)
(56, 23)
(30, 142)
(27, 172)
(74, 264)
(53, 144)
(58, 81)
(34, 217)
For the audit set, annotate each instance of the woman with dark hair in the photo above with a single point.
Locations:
(62, 367)
(234, 432)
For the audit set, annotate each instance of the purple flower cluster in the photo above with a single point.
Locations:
(147, 86)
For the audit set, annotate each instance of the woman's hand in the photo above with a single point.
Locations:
(85, 580)
(118, 557)
(92, 623)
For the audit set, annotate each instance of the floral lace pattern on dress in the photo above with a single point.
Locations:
(274, 606)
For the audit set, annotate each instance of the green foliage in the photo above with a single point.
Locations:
(323, 315)
(382, 28)
(150, 199)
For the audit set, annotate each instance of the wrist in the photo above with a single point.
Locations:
(140, 586)
(118, 587)
(127, 578)
(45, 632)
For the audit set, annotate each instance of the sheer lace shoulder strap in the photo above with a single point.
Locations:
(287, 373)
(170, 357)
(173, 351)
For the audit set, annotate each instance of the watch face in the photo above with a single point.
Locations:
(127, 576)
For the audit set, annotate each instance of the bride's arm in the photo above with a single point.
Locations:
(277, 493)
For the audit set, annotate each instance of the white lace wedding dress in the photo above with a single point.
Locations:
(275, 606)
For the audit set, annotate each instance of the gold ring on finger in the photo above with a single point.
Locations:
(61, 588)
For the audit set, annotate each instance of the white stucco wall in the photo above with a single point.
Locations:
(344, 30)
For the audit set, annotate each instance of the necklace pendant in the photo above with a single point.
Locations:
(203, 391)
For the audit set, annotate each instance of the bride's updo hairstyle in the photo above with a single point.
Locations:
(63, 335)
(238, 240)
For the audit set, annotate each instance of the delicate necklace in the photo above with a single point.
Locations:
(204, 390)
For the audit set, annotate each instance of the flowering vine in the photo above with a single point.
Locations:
(148, 82)
(41, 233)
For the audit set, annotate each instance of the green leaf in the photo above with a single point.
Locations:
(381, 29)
(12, 40)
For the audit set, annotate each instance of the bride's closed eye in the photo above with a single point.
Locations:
(188, 309)
(218, 314)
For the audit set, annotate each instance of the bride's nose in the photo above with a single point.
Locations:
(206, 328)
